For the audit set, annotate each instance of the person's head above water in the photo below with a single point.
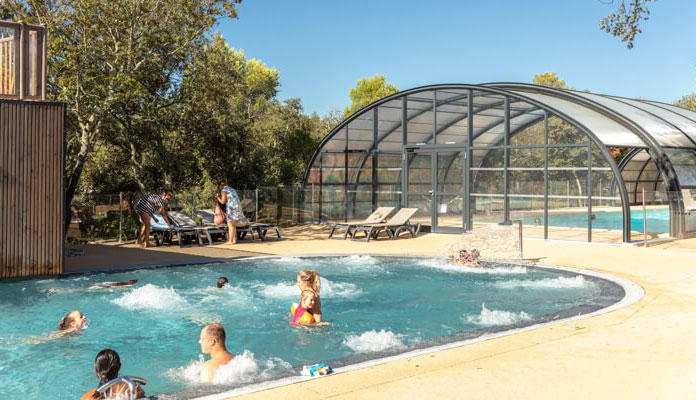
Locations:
(222, 281)
(107, 365)
(212, 337)
(73, 320)
(308, 279)
(307, 299)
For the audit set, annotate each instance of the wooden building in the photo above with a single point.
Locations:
(31, 158)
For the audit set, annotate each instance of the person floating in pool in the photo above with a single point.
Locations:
(212, 342)
(302, 314)
(308, 279)
(74, 321)
(106, 366)
(106, 285)
(146, 208)
(222, 281)
(471, 259)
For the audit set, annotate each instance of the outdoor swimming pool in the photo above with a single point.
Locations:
(657, 220)
(377, 306)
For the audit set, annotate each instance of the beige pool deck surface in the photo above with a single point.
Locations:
(644, 351)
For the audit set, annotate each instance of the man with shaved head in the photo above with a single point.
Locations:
(212, 342)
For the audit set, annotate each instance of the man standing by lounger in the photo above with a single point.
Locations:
(146, 208)
(212, 342)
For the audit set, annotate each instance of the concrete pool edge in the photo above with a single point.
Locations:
(632, 294)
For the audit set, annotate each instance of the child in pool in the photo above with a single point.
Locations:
(308, 279)
(74, 321)
(302, 313)
(107, 366)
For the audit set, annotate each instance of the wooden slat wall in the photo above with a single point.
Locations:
(31, 188)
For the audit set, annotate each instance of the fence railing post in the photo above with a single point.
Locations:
(256, 206)
(645, 223)
(519, 226)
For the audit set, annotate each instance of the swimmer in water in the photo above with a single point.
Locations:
(104, 285)
(106, 366)
(73, 322)
(222, 281)
(308, 279)
(303, 315)
(212, 342)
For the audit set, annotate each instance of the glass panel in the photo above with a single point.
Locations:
(567, 193)
(359, 202)
(389, 168)
(452, 122)
(486, 200)
(420, 172)
(423, 203)
(562, 132)
(529, 210)
(8, 60)
(450, 178)
(608, 131)
(449, 211)
(389, 127)
(528, 128)
(333, 206)
(420, 118)
(526, 172)
(684, 162)
(359, 168)
(607, 225)
(489, 117)
(360, 131)
(665, 134)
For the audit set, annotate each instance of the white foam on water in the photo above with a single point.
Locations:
(548, 283)
(151, 297)
(281, 290)
(242, 369)
(339, 289)
(373, 341)
(449, 265)
(497, 317)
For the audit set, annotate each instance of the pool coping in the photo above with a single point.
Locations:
(632, 294)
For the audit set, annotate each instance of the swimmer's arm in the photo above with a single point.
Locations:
(316, 310)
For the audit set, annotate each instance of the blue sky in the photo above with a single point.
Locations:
(322, 48)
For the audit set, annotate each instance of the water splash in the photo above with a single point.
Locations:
(497, 317)
(244, 368)
(339, 289)
(448, 265)
(151, 297)
(373, 341)
(549, 283)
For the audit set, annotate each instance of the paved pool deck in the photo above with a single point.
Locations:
(644, 351)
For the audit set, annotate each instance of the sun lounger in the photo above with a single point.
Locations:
(397, 224)
(162, 233)
(183, 220)
(208, 216)
(378, 216)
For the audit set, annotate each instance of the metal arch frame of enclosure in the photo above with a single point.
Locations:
(508, 92)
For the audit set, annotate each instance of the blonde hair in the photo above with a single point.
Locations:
(305, 294)
(310, 276)
(66, 321)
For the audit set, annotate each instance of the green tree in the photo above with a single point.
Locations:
(550, 79)
(369, 90)
(625, 22)
(115, 64)
(688, 102)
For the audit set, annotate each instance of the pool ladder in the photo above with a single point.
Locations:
(128, 380)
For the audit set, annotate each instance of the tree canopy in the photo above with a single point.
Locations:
(626, 21)
(369, 90)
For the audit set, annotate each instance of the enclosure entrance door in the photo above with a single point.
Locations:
(436, 179)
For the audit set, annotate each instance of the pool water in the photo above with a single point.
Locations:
(657, 220)
(373, 304)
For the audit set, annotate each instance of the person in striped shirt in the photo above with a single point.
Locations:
(146, 208)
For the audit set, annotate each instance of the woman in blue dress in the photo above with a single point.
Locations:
(235, 215)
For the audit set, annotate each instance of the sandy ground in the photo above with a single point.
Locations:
(644, 351)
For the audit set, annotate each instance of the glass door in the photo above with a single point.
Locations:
(436, 185)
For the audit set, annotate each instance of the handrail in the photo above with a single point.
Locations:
(128, 380)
